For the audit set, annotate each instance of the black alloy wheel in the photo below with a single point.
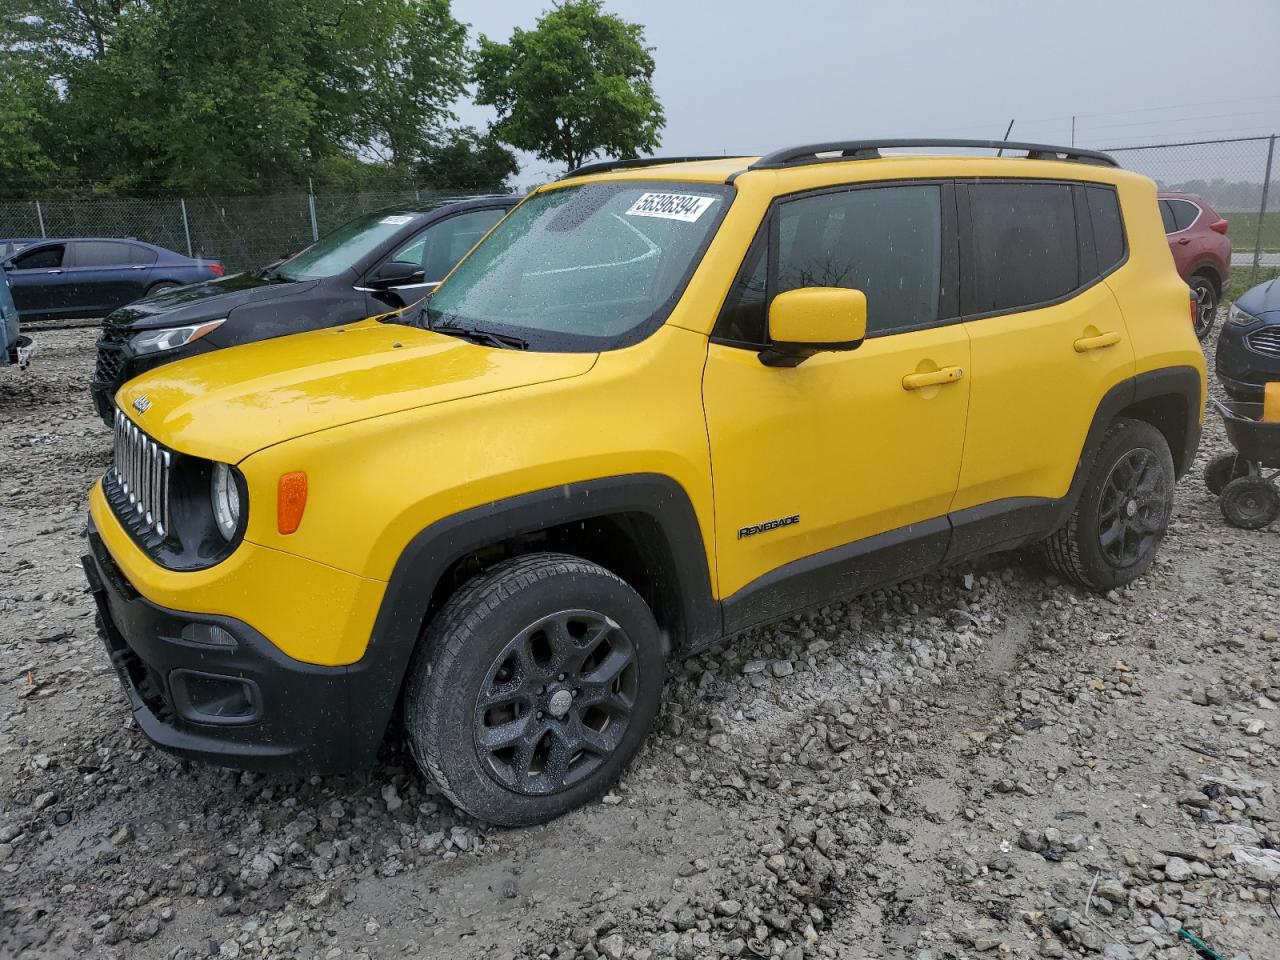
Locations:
(534, 685)
(1132, 517)
(556, 702)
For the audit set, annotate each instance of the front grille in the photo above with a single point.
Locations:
(1265, 341)
(138, 481)
(110, 354)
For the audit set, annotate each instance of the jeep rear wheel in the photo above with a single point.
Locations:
(1123, 511)
(534, 687)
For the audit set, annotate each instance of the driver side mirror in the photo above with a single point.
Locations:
(814, 320)
(396, 273)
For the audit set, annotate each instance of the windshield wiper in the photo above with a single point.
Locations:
(476, 335)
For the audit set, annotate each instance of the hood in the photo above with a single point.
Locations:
(230, 403)
(1262, 300)
(211, 300)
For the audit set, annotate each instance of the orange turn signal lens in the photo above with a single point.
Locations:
(291, 500)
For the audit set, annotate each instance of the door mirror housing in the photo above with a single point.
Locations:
(812, 320)
(396, 273)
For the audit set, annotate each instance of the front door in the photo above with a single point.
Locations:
(837, 475)
(38, 281)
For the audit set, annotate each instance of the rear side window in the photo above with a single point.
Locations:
(1167, 218)
(1184, 214)
(100, 253)
(1108, 229)
(1023, 246)
(141, 256)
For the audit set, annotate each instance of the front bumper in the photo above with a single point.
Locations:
(1242, 370)
(212, 688)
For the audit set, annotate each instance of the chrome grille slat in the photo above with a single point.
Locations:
(141, 474)
(1265, 341)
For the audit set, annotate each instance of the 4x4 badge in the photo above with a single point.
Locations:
(142, 404)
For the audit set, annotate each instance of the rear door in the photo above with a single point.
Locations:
(39, 283)
(102, 276)
(1048, 337)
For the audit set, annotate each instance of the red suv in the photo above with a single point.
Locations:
(1201, 249)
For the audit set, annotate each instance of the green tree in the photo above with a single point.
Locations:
(246, 95)
(578, 84)
(467, 160)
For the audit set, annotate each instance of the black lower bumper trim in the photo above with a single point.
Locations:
(212, 688)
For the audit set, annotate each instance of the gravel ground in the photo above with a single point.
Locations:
(980, 763)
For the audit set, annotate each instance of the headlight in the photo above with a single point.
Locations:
(225, 495)
(153, 341)
(1239, 317)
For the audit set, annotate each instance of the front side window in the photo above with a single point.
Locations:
(591, 266)
(444, 243)
(42, 258)
(341, 250)
(884, 241)
(1023, 245)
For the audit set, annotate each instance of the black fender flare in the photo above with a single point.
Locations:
(374, 682)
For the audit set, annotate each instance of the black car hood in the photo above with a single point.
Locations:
(211, 300)
(1262, 301)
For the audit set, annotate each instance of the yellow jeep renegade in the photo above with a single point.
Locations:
(659, 403)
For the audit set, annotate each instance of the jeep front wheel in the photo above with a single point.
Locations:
(534, 687)
(1123, 511)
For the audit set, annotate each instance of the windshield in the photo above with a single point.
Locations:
(341, 250)
(586, 267)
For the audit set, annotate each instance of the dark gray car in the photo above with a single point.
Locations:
(372, 265)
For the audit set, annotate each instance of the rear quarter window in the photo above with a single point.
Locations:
(1108, 227)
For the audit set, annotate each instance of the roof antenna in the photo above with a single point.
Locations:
(1007, 131)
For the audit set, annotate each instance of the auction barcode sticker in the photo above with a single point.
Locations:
(670, 206)
(395, 221)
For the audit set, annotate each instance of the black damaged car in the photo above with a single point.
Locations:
(371, 265)
(1249, 346)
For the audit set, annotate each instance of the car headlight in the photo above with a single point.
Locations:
(167, 338)
(1239, 317)
(225, 495)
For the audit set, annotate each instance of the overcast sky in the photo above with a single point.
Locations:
(752, 75)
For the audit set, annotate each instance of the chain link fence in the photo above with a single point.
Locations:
(243, 232)
(1237, 177)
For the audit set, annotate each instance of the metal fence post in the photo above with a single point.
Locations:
(1262, 214)
(40, 217)
(186, 226)
(311, 206)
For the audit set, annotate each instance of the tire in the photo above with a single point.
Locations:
(1222, 469)
(1123, 512)
(164, 286)
(1250, 503)
(1206, 294)
(561, 647)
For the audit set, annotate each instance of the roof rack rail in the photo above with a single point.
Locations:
(870, 150)
(604, 166)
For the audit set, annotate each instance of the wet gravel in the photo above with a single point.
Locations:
(983, 762)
